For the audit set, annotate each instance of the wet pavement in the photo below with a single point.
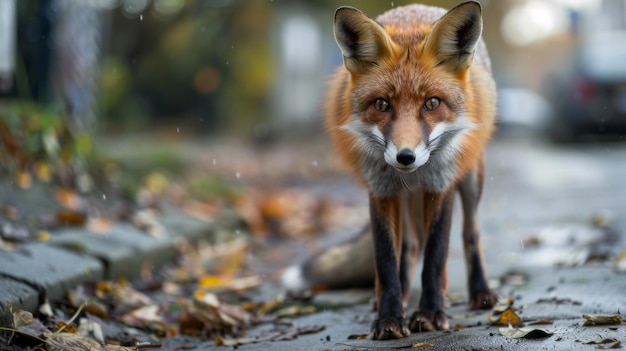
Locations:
(554, 215)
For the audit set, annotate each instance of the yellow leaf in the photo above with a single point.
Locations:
(43, 171)
(212, 281)
(507, 318)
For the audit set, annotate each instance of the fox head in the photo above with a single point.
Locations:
(411, 98)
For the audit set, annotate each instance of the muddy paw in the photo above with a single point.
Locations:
(428, 321)
(389, 328)
(483, 300)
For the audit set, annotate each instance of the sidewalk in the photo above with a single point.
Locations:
(40, 271)
(561, 296)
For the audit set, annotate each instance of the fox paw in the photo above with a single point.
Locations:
(389, 328)
(483, 300)
(422, 321)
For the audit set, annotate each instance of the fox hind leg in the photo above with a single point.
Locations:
(470, 189)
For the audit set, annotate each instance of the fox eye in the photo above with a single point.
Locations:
(432, 103)
(381, 105)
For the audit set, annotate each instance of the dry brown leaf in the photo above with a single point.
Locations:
(233, 342)
(73, 342)
(611, 345)
(149, 317)
(121, 293)
(293, 311)
(525, 333)
(602, 342)
(99, 225)
(216, 315)
(602, 319)
(71, 217)
(22, 318)
(358, 336)
(23, 179)
(68, 198)
(10, 212)
(540, 322)
(507, 318)
(423, 344)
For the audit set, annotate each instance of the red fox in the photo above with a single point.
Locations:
(410, 114)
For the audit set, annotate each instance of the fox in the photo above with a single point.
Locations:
(409, 114)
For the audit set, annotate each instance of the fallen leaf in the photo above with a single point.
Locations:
(540, 322)
(423, 344)
(602, 342)
(23, 179)
(71, 217)
(560, 301)
(357, 336)
(149, 317)
(216, 315)
(68, 341)
(602, 319)
(43, 171)
(10, 212)
(233, 342)
(293, 311)
(99, 225)
(611, 345)
(291, 332)
(525, 333)
(507, 318)
(68, 198)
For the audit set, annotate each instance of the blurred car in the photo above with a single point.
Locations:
(590, 98)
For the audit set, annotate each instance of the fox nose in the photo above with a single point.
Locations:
(405, 157)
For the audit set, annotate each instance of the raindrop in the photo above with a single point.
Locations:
(392, 5)
(104, 197)
(314, 163)
(238, 175)
(214, 162)
(227, 62)
(177, 129)
(141, 17)
(237, 232)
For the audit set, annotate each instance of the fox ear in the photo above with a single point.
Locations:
(362, 40)
(454, 36)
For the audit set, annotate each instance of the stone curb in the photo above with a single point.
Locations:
(73, 255)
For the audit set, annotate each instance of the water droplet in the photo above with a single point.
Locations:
(237, 232)
(141, 17)
(392, 4)
(214, 162)
(177, 129)
(314, 163)
(104, 197)
(238, 175)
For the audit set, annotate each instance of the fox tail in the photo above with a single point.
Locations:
(347, 265)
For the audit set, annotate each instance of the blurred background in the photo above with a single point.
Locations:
(199, 99)
(256, 69)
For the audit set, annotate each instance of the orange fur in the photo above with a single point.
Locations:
(410, 114)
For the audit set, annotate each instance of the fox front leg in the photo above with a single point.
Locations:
(387, 231)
